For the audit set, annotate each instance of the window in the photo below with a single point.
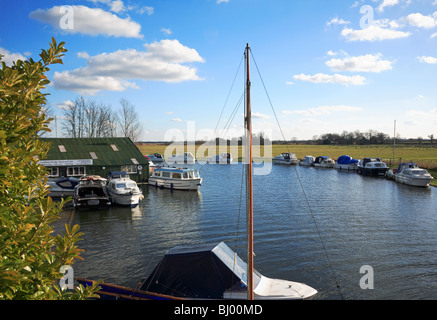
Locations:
(114, 147)
(157, 173)
(129, 168)
(53, 171)
(93, 155)
(166, 174)
(134, 161)
(76, 171)
(62, 148)
(176, 175)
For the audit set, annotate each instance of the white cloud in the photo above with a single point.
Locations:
(166, 31)
(421, 21)
(365, 63)
(83, 54)
(176, 120)
(429, 60)
(323, 110)
(91, 21)
(335, 79)
(222, 1)
(9, 57)
(113, 71)
(387, 3)
(374, 32)
(337, 21)
(259, 115)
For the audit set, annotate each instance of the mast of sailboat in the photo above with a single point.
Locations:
(249, 182)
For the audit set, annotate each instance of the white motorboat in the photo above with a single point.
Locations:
(63, 187)
(286, 158)
(123, 190)
(409, 173)
(372, 167)
(176, 178)
(222, 158)
(346, 162)
(91, 193)
(185, 158)
(324, 162)
(307, 161)
(155, 158)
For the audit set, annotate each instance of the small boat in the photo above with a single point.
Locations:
(123, 190)
(185, 158)
(307, 161)
(223, 276)
(63, 187)
(324, 162)
(176, 178)
(346, 162)
(372, 167)
(409, 173)
(155, 158)
(285, 158)
(91, 193)
(222, 158)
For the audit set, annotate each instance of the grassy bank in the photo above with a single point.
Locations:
(425, 157)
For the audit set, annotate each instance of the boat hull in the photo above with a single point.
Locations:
(412, 181)
(176, 184)
(374, 172)
(347, 167)
(285, 161)
(131, 200)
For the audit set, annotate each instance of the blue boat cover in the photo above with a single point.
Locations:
(346, 160)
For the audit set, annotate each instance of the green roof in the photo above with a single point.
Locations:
(103, 151)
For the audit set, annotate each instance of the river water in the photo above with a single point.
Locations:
(312, 225)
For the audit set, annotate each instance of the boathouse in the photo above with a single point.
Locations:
(74, 157)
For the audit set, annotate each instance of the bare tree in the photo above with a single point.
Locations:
(73, 118)
(128, 121)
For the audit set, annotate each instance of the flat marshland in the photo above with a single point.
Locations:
(424, 155)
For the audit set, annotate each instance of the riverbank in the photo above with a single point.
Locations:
(424, 156)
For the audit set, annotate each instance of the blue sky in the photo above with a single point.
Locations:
(328, 66)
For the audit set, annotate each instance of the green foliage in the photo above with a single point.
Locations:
(31, 256)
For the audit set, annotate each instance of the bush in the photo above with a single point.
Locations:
(31, 255)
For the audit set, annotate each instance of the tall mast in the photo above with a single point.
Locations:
(249, 182)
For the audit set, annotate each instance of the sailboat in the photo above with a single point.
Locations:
(214, 271)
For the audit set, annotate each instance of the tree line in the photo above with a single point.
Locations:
(356, 137)
(88, 119)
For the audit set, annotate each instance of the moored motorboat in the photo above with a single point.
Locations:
(346, 162)
(91, 193)
(62, 187)
(409, 173)
(285, 158)
(222, 158)
(185, 158)
(372, 167)
(307, 161)
(323, 162)
(155, 158)
(123, 190)
(175, 178)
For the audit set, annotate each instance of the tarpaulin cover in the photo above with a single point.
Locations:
(346, 160)
(198, 271)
